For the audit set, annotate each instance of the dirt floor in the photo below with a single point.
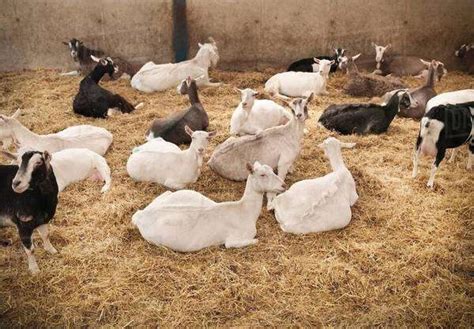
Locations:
(406, 259)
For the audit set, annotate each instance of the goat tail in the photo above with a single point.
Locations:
(104, 170)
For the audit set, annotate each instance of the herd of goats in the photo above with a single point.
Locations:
(265, 137)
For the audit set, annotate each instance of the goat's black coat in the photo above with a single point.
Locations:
(306, 64)
(171, 129)
(94, 101)
(457, 129)
(363, 118)
(38, 202)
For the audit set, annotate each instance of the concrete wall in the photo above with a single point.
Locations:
(250, 33)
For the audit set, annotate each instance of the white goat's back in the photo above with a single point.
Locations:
(295, 84)
(452, 97)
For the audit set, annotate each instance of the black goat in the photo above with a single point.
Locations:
(364, 118)
(443, 127)
(172, 129)
(466, 54)
(29, 199)
(306, 64)
(94, 101)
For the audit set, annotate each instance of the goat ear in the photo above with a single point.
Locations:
(309, 98)
(16, 114)
(211, 40)
(200, 44)
(9, 155)
(188, 130)
(95, 59)
(424, 62)
(332, 62)
(255, 93)
(388, 46)
(47, 158)
(316, 60)
(211, 134)
(373, 44)
(65, 43)
(249, 168)
(347, 145)
(356, 56)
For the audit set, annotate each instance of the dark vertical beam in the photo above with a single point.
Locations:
(180, 31)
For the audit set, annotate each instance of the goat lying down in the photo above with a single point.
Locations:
(319, 204)
(94, 101)
(158, 77)
(165, 163)
(443, 127)
(73, 165)
(188, 221)
(364, 118)
(96, 139)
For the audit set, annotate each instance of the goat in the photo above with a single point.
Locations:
(187, 221)
(277, 147)
(73, 165)
(158, 77)
(466, 55)
(420, 96)
(82, 55)
(94, 101)
(164, 163)
(254, 115)
(307, 64)
(96, 139)
(369, 85)
(29, 199)
(364, 118)
(452, 97)
(443, 127)
(171, 129)
(400, 65)
(300, 84)
(320, 204)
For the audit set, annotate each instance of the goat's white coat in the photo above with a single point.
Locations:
(320, 204)
(254, 115)
(157, 77)
(299, 84)
(164, 163)
(96, 139)
(74, 165)
(452, 97)
(188, 221)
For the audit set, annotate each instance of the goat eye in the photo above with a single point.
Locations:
(263, 175)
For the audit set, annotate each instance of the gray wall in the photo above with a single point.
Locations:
(249, 33)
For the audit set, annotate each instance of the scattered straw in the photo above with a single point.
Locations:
(406, 259)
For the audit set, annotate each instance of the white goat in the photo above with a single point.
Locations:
(188, 221)
(300, 84)
(83, 136)
(73, 165)
(254, 115)
(157, 77)
(164, 163)
(452, 97)
(320, 204)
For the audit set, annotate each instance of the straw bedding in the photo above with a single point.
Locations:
(406, 259)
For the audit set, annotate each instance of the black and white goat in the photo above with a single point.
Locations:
(82, 55)
(364, 118)
(306, 64)
(94, 101)
(443, 127)
(466, 54)
(29, 196)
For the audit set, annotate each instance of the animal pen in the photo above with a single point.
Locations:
(404, 260)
